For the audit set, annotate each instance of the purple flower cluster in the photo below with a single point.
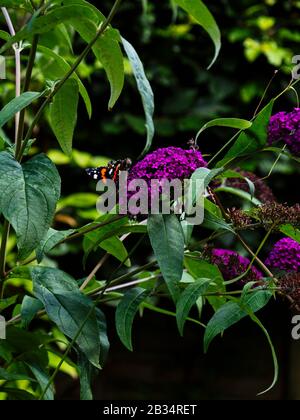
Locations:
(232, 265)
(285, 256)
(285, 126)
(167, 163)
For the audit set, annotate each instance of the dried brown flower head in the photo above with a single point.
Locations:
(279, 214)
(289, 285)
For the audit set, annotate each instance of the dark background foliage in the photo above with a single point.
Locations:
(258, 37)
(176, 54)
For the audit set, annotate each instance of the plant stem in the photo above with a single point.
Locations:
(75, 65)
(26, 86)
(165, 312)
(94, 271)
(131, 283)
(5, 235)
(255, 255)
(17, 50)
(89, 229)
(6, 225)
(123, 277)
(264, 93)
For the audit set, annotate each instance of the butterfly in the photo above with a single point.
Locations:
(111, 171)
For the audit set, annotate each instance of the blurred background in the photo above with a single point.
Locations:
(259, 38)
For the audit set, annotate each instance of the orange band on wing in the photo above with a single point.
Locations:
(103, 174)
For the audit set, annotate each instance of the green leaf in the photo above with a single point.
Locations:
(16, 105)
(239, 193)
(274, 357)
(291, 231)
(252, 139)
(93, 239)
(198, 10)
(232, 312)
(29, 309)
(226, 122)
(199, 181)
(43, 378)
(187, 299)
(28, 197)
(16, 394)
(199, 268)
(11, 376)
(107, 50)
(115, 247)
(86, 372)
(26, 343)
(86, 369)
(62, 67)
(17, 4)
(125, 313)
(68, 308)
(167, 240)
(78, 200)
(44, 24)
(52, 238)
(6, 303)
(217, 223)
(63, 114)
(145, 90)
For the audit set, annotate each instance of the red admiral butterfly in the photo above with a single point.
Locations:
(111, 171)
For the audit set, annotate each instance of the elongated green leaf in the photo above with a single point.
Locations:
(199, 181)
(29, 309)
(125, 313)
(274, 357)
(202, 269)
(4, 35)
(16, 105)
(145, 90)
(61, 68)
(226, 122)
(213, 222)
(115, 247)
(52, 238)
(198, 10)
(63, 115)
(187, 299)
(107, 50)
(43, 24)
(68, 308)
(43, 378)
(86, 369)
(86, 372)
(93, 239)
(16, 393)
(252, 139)
(292, 232)
(11, 376)
(6, 303)
(167, 240)
(239, 193)
(232, 312)
(28, 196)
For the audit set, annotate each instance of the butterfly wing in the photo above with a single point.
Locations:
(98, 174)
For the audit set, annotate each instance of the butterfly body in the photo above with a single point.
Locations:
(111, 171)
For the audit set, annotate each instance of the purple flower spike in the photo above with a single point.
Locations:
(285, 126)
(285, 256)
(232, 265)
(166, 164)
